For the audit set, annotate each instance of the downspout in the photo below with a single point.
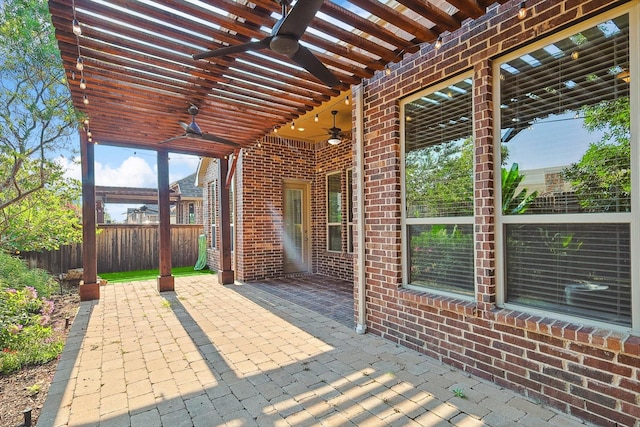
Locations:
(357, 91)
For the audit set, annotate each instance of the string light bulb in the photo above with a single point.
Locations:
(83, 84)
(89, 134)
(79, 64)
(438, 44)
(275, 130)
(85, 100)
(76, 27)
(387, 70)
(522, 12)
(346, 100)
(86, 122)
(315, 119)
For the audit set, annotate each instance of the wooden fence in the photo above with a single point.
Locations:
(123, 247)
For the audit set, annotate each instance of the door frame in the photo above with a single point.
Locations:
(305, 186)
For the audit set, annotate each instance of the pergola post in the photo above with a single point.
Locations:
(89, 286)
(165, 279)
(225, 273)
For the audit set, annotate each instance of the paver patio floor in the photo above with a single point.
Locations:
(238, 355)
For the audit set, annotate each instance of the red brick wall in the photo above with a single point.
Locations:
(590, 372)
(259, 179)
(330, 159)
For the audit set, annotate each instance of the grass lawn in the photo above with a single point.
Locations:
(130, 276)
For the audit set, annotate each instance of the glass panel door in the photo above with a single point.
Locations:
(295, 229)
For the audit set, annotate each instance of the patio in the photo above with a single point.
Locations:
(248, 354)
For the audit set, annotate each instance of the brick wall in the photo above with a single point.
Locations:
(331, 159)
(593, 373)
(260, 176)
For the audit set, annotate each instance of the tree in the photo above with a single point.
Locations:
(602, 177)
(37, 119)
(439, 179)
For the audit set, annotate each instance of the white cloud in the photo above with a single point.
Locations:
(132, 172)
(181, 166)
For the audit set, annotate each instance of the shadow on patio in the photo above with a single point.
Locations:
(239, 355)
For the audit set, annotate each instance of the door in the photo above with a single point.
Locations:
(296, 233)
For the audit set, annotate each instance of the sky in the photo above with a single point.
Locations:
(128, 167)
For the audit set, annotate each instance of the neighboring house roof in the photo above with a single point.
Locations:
(186, 187)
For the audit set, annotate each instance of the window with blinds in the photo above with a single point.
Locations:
(334, 212)
(350, 210)
(566, 174)
(438, 187)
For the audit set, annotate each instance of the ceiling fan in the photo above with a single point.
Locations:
(192, 130)
(285, 39)
(335, 133)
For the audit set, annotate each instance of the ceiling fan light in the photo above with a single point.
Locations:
(334, 141)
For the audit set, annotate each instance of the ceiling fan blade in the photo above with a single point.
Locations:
(172, 139)
(228, 50)
(307, 60)
(298, 18)
(220, 140)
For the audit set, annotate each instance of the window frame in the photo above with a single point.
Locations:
(632, 218)
(444, 220)
(333, 224)
(349, 205)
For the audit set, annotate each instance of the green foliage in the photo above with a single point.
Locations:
(26, 336)
(36, 122)
(602, 177)
(15, 274)
(442, 255)
(559, 244)
(439, 180)
(513, 203)
(458, 392)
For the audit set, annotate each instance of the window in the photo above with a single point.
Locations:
(192, 214)
(566, 173)
(334, 212)
(350, 210)
(232, 206)
(438, 188)
(212, 204)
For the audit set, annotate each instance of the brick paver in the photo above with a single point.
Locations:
(208, 355)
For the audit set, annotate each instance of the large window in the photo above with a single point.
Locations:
(350, 210)
(566, 173)
(334, 212)
(438, 188)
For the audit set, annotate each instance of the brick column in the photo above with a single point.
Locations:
(484, 228)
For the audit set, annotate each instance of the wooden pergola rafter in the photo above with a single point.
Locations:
(141, 76)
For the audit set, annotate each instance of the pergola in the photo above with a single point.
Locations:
(139, 78)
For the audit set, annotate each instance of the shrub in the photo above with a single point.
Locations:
(14, 274)
(26, 335)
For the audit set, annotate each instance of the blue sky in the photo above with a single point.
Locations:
(128, 167)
